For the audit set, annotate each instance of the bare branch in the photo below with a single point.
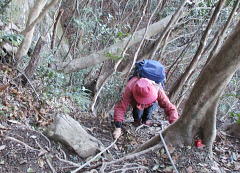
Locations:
(99, 154)
(167, 151)
(18, 141)
(40, 17)
(178, 85)
(174, 18)
(55, 28)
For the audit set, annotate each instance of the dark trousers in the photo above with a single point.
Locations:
(145, 114)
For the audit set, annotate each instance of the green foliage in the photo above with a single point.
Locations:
(110, 93)
(3, 5)
(112, 56)
(229, 103)
(122, 35)
(14, 39)
(236, 116)
(56, 85)
(230, 2)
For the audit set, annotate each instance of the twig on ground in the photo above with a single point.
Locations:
(3, 127)
(168, 154)
(99, 154)
(18, 141)
(141, 126)
(225, 134)
(64, 154)
(130, 156)
(127, 169)
(68, 162)
(42, 150)
(50, 165)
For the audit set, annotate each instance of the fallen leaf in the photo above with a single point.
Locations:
(14, 91)
(2, 147)
(41, 163)
(155, 167)
(168, 169)
(171, 149)
(2, 162)
(3, 127)
(13, 121)
(189, 169)
(3, 87)
(22, 161)
(30, 170)
(236, 166)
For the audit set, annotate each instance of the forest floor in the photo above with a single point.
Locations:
(25, 148)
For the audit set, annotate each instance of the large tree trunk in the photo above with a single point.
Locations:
(199, 114)
(114, 50)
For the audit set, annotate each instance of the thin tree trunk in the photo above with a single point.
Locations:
(174, 18)
(221, 35)
(55, 28)
(25, 45)
(173, 94)
(35, 58)
(199, 114)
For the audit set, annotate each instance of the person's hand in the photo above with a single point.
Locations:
(117, 133)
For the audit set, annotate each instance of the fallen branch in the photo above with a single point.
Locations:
(18, 141)
(141, 126)
(130, 156)
(50, 165)
(99, 154)
(132, 168)
(167, 151)
(67, 161)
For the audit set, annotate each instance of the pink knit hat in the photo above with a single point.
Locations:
(144, 91)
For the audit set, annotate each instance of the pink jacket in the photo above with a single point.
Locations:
(127, 99)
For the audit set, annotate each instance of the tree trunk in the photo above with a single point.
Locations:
(114, 50)
(33, 14)
(175, 90)
(36, 14)
(199, 114)
(35, 58)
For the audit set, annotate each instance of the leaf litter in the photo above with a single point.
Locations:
(23, 117)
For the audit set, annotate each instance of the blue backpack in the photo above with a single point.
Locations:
(150, 69)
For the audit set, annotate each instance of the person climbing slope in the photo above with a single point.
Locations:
(143, 91)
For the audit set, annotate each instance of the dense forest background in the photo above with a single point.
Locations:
(73, 58)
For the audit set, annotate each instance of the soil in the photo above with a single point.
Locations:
(26, 149)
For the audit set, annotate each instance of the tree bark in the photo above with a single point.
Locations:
(173, 20)
(199, 114)
(33, 14)
(32, 65)
(173, 94)
(116, 49)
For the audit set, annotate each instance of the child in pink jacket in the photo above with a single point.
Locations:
(142, 94)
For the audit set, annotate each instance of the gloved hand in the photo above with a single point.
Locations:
(117, 133)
